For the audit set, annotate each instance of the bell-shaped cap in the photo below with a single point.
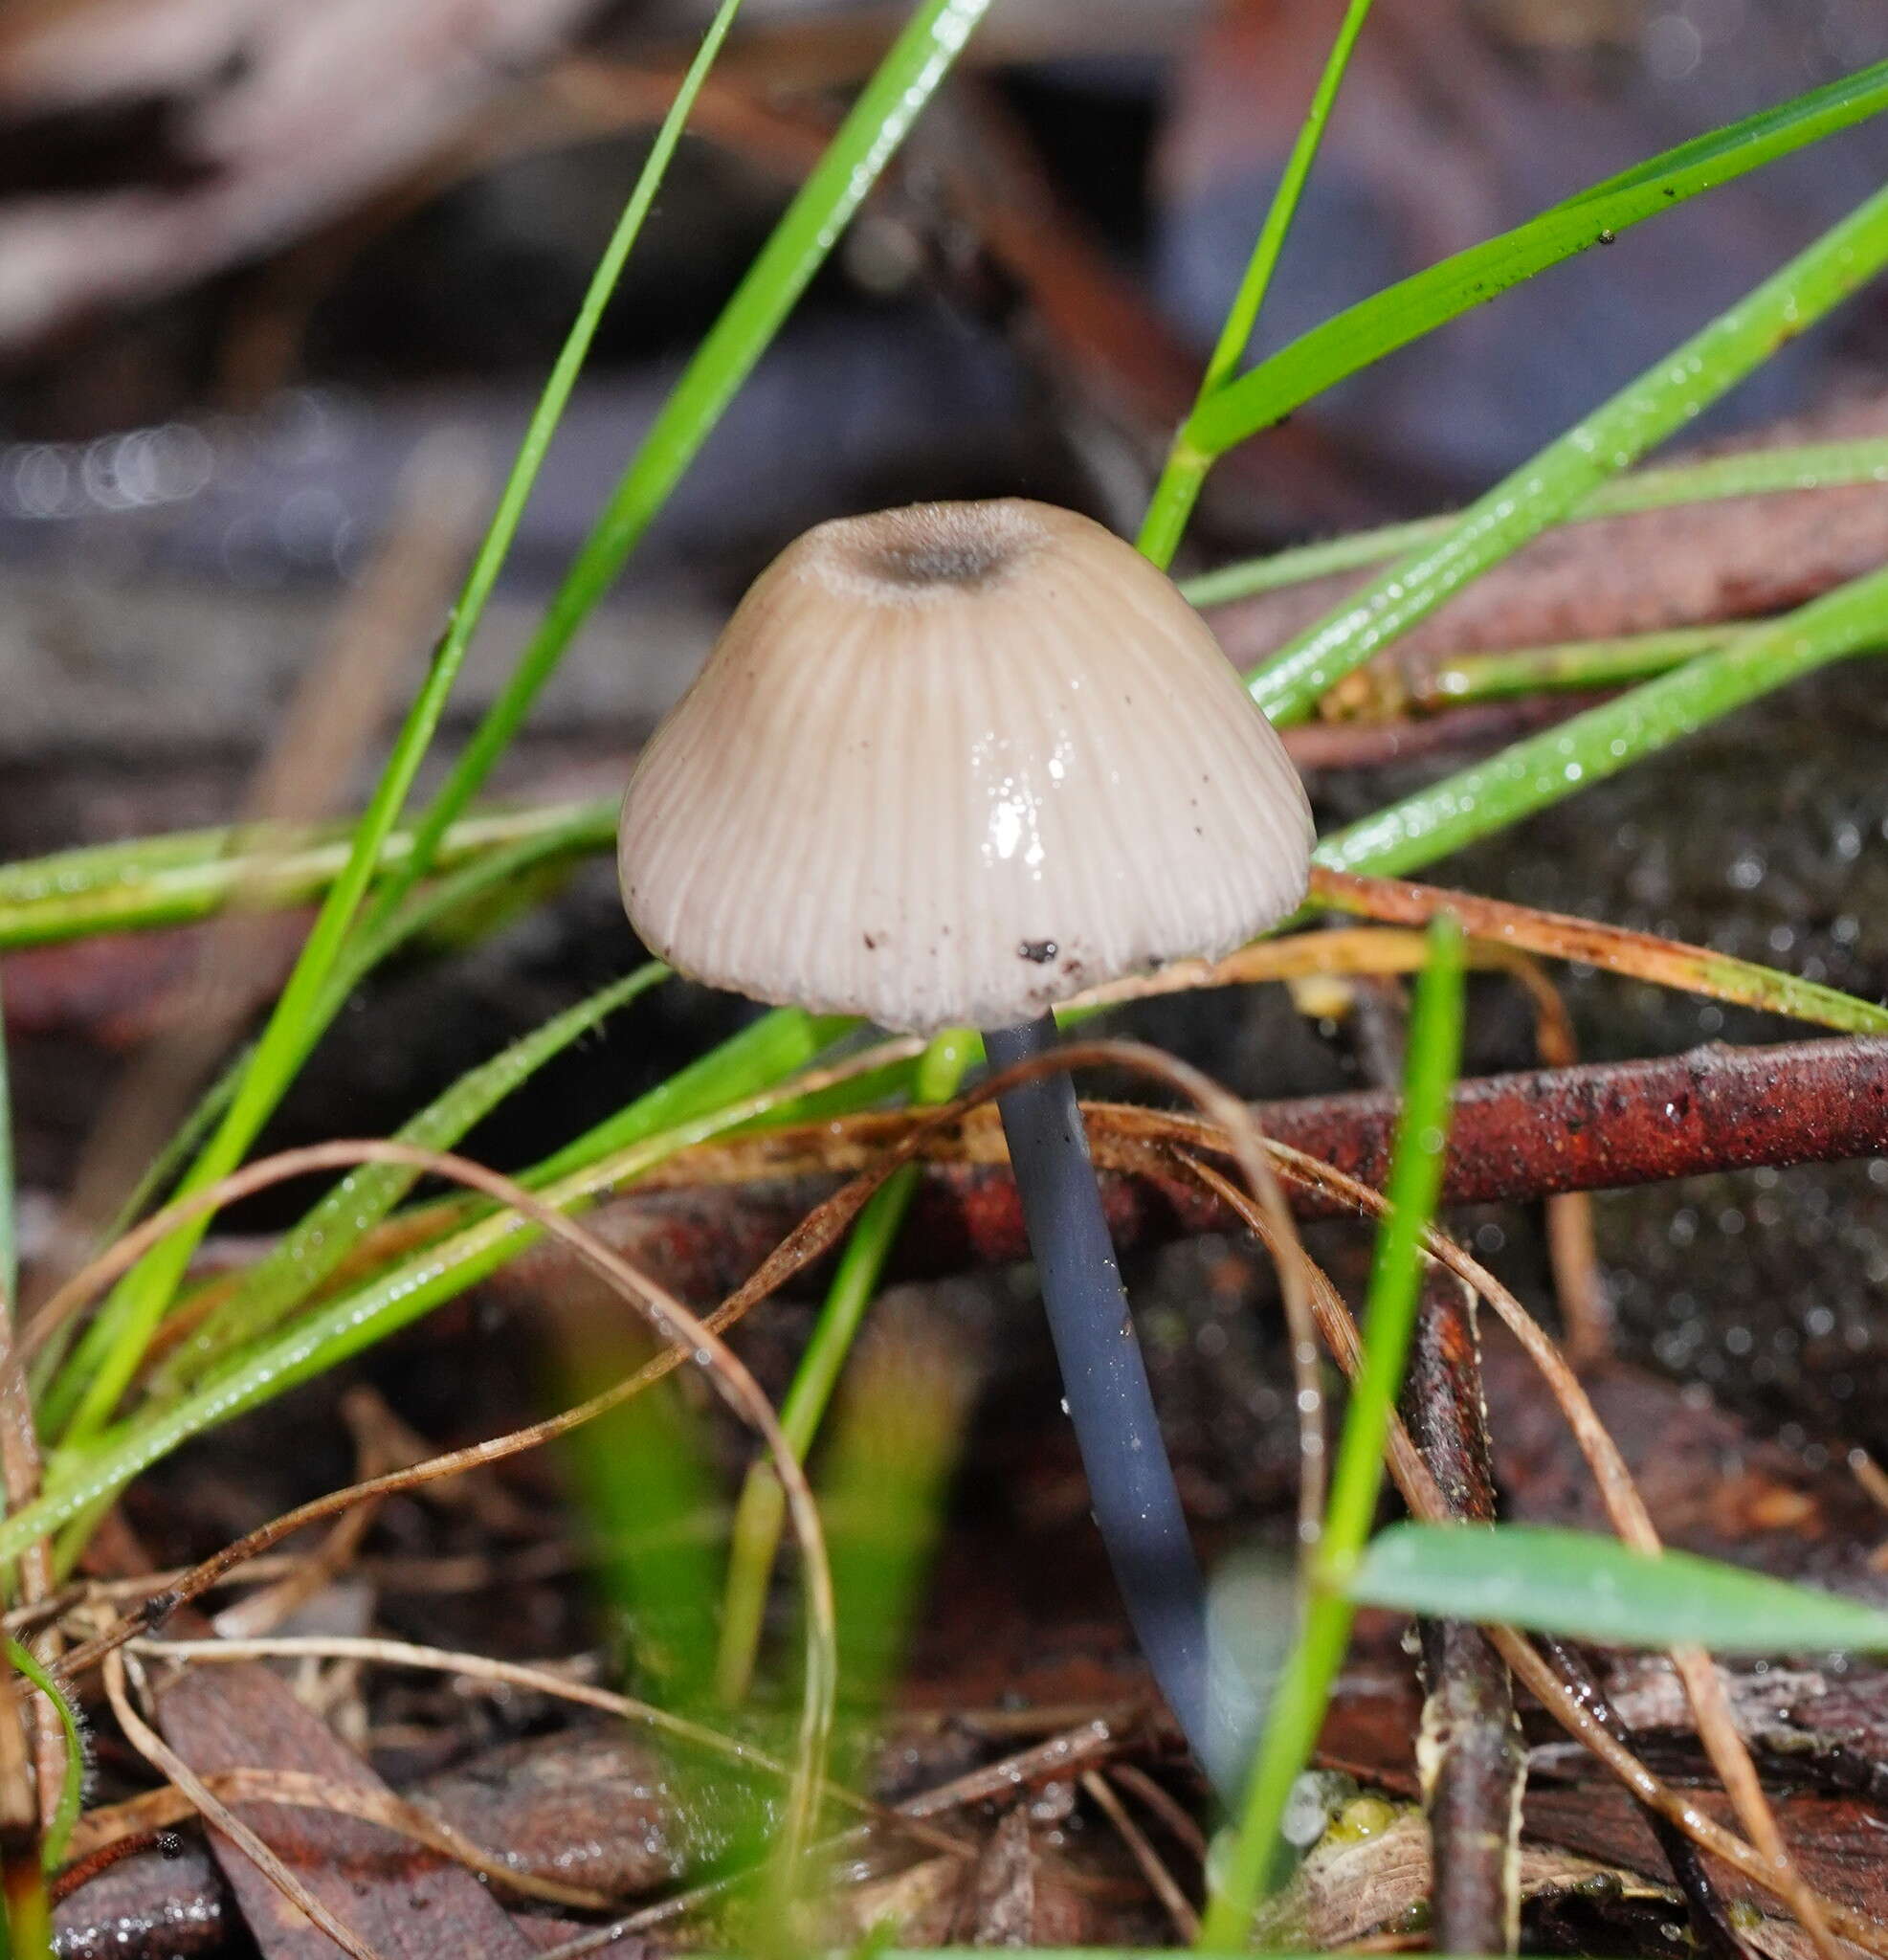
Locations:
(951, 764)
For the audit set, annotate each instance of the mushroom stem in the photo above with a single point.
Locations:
(1130, 1481)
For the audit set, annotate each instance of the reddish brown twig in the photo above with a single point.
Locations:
(1513, 1137)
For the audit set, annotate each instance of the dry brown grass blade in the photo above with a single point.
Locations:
(1165, 1806)
(167, 1763)
(1669, 963)
(1717, 1729)
(672, 1323)
(1174, 1900)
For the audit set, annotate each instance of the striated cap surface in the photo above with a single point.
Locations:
(951, 764)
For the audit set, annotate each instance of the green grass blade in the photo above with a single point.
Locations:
(645, 1503)
(1750, 472)
(1416, 1184)
(312, 1249)
(1592, 1587)
(1531, 774)
(1303, 1691)
(1417, 305)
(495, 545)
(761, 1512)
(1577, 665)
(911, 71)
(178, 878)
(768, 1050)
(1553, 483)
(1185, 468)
(72, 1776)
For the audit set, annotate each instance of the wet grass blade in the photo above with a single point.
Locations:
(1592, 1587)
(1413, 307)
(1543, 490)
(905, 80)
(311, 1250)
(1185, 470)
(1544, 768)
(1752, 473)
(186, 876)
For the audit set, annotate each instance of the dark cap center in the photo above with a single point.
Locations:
(967, 562)
(929, 548)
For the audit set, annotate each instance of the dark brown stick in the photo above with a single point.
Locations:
(1470, 1754)
(1475, 1762)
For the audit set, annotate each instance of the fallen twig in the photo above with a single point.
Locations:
(708, 1218)
(1474, 1763)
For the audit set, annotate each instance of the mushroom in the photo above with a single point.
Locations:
(948, 766)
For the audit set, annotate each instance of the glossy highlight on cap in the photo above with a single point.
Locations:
(951, 764)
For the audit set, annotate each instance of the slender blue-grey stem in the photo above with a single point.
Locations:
(1130, 1481)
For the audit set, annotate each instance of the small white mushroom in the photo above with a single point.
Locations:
(950, 765)
(947, 766)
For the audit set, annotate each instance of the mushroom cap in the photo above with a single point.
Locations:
(948, 765)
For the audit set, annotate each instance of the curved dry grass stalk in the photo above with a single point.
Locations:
(1774, 1868)
(671, 1322)
(1703, 1686)
(212, 1808)
(537, 1679)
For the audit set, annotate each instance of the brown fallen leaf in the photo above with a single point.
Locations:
(407, 1902)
